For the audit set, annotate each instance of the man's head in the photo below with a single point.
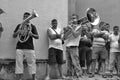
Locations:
(74, 19)
(26, 15)
(107, 27)
(102, 25)
(85, 29)
(116, 29)
(54, 23)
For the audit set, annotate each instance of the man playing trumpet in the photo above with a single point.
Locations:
(25, 48)
(72, 48)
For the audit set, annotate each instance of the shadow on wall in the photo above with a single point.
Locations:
(7, 70)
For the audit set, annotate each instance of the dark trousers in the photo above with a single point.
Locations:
(85, 56)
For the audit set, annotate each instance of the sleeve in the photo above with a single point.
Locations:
(17, 28)
(34, 30)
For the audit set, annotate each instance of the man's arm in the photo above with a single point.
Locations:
(34, 32)
(77, 32)
(72, 32)
(16, 31)
(98, 34)
(53, 36)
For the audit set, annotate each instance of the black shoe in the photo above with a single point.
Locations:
(110, 75)
(104, 76)
(91, 76)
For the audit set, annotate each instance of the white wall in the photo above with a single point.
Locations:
(47, 10)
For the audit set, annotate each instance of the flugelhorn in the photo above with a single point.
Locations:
(91, 17)
(23, 35)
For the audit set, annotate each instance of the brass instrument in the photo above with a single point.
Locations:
(92, 17)
(25, 29)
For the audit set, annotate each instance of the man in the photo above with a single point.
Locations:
(55, 51)
(114, 50)
(1, 28)
(85, 50)
(99, 53)
(25, 48)
(72, 43)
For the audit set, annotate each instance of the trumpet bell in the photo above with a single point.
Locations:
(92, 16)
(23, 36)
(34, 13)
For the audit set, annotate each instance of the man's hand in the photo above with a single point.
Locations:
(70, 27)
(58, 36)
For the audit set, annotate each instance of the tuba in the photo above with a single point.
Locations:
(25, 29)
(91, 17)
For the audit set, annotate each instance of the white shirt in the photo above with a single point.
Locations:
(72, 41)
(57, 43)
(114, 45)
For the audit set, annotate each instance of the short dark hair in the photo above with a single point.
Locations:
(75, 15)
(101, 24)
(26, 13)
(53, 20)
(115, 27)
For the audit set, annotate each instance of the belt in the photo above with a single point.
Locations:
(73, 47)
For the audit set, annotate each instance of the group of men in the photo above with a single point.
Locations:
(85, 46)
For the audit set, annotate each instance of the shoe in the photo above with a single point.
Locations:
(91, 75)
(63, 77)
(47, 78)
(104, 76)
(110, 75)
(35, 78)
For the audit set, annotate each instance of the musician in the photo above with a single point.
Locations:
(55, 51)
(26, 48)
(99, 51)
(72, 44)
(85, 50)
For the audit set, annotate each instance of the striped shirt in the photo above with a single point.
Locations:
(98, 41)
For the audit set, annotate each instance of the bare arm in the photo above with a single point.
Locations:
(15, 34)
(72, 32)
(77, 32)
(52, 36)
(98, 34)
(16, 31)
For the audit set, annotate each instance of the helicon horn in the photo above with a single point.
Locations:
(23, 36)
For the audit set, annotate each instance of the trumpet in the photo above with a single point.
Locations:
(92, 17)
(23, 35)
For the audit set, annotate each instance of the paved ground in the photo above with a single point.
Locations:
(97, 77)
